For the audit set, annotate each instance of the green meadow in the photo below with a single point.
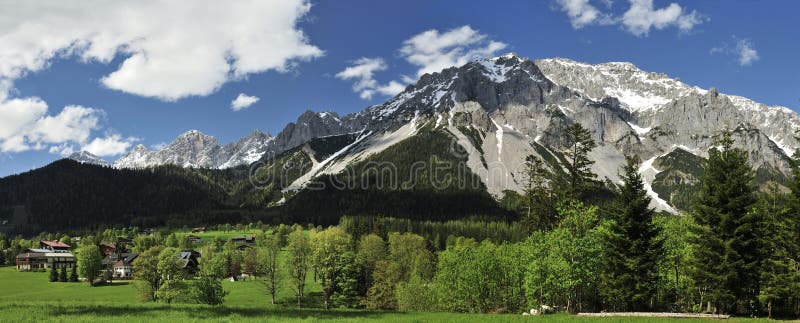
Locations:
(30, 297)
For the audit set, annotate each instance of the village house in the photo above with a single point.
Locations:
(199, 230)
(107, 248)
(188, 261)
(121, 265)
(245, 239)
(54, 245)
(52, 254)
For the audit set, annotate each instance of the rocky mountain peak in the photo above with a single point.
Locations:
(86, 157)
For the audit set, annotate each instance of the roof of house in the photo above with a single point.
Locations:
(55, 244)
(126, 257)
(108, 244)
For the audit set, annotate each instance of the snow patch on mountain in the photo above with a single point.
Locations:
(649, 173)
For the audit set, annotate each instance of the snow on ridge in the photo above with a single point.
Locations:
(639, 130)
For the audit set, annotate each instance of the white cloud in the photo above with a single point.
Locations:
(432, 51)
(747, 54)
(742, 48)
(639, 19)
(642, 16)
(111, 145)
(25, 125)
(171, 49)
(363, 72)
(243, 101)
(62, 149)
(581, 13)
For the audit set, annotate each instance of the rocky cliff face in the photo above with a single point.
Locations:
(499, 110)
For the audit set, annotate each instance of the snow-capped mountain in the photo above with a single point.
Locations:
(502, 109)
(86, 157)
(499, 110)
(195, 149)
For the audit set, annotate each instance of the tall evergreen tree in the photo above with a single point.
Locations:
(630, 276)
(580, 177)
(727, 249)
(540, 213)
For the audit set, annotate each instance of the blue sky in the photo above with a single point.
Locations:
(111, 80)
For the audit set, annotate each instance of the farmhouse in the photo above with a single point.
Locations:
(36, 259)
(121, 265)
(188, 260)
(244, 240)
(199, 230)
(54, 245)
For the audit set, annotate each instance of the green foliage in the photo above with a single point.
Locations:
(145, 272)
(727, 251)
(89, 263)
(73, 276)
(385, 277)
(298, 261)
(62, 275)
(630, 271)
(540, 213)
(53, 274)
(410, 252)
(416, 295)
(434, 231)
(480, 278)
(208, 290)
(566, 261)
(328, 246)
(268, 264)
(580, 178)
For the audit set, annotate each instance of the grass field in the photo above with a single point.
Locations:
(29, 297)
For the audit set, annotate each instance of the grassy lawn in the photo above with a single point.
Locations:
(28, 297)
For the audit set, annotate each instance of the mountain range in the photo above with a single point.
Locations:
(500, 110)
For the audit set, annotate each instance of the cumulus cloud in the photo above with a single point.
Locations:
(25, 125)
(170, 49)
(639, 19)
(581, 13)
(742, 48)
(432, 51)
(111, 145)
(363, 72)
(243, 101)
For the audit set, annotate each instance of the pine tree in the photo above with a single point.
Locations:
(540, 209)
(62, 276)
(580, 177)
(630, 276)
(727, 247)
(53, 274)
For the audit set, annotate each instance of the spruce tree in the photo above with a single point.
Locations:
(62, 275)
(580, 177)
(727, 247)
(630, 276)
(540, 211)
(53, 274)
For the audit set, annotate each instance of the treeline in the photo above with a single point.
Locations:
(437, 233)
